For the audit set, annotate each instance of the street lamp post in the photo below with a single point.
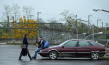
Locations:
(38, 16)
(100, 10)
(39, 32)
(84, 21)
(88, 22)
(105, 10)
(97, 23)
(93, 32)
(102, 26)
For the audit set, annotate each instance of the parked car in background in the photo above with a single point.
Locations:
(75, 48)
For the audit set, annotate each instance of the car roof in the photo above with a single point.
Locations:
(79, 40)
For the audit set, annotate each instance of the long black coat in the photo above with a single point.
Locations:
(24, 51)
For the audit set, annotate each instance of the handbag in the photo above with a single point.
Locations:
(23, 46)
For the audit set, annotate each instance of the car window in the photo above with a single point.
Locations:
(82, 44)
(88, 43)
(94, 43)
(71, 44)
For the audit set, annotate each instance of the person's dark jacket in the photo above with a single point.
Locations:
(24, 51)
(41, 43)
(25, 41)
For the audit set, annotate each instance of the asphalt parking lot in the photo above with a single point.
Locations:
(9, 55)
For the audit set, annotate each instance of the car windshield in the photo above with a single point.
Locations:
(63, 43)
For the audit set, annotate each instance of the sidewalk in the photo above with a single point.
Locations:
(2, 43)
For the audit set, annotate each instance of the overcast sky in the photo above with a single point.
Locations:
(53, 8)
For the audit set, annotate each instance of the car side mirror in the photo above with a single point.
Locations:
(62, 46)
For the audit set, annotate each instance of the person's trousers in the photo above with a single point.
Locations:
(36, 51)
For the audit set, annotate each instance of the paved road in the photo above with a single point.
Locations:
(9, 55)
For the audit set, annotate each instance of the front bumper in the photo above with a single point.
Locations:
(43, 54)
(102, 53)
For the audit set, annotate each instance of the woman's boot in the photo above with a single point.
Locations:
(29, 56)
(20, 56)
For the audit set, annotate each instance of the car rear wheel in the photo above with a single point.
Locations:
(53, 55)
(95, 56)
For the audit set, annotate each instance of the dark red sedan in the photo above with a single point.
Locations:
(75, 48)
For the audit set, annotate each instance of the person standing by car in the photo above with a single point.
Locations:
(25, 51)
(40, 46)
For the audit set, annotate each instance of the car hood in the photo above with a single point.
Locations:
(54, 46)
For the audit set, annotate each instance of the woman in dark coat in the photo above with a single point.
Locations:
(24, 52)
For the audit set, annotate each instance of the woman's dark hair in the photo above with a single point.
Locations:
(26, 34)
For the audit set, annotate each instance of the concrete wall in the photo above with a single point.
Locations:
(56, 36)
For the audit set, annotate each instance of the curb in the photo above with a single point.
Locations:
(106, 57)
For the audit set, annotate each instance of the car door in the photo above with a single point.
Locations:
(84, 48)
(69, 49)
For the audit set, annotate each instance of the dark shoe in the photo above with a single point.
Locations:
(29, 56)
(31, 59)
(34, 57)
(20, 57)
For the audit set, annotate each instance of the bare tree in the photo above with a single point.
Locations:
(16, 10)
(28, 11)
(7, 9)
(6, 16)
(7, 12)
(68, 18)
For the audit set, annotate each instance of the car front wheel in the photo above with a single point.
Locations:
(53, 55)
(95, 56)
